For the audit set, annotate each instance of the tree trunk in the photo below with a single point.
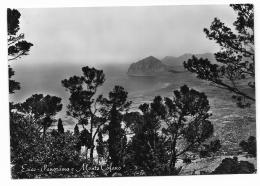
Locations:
(86, 154)
(91, 154)
(44, 133)
(92, 140)
(173, 156)
(172, 165)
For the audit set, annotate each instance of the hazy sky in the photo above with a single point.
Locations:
(118, 34)
(66, 38)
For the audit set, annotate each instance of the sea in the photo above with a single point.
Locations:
(232, 124)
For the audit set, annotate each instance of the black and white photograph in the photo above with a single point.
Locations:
(131, 91)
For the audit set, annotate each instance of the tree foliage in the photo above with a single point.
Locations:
(114, 108)
(24, 137)
(40, 110)
(169, 129)
(210, 149)
(147, 147)
(17, 46)
(83, 105)
(101, 147)
(236, 61)
(249, 146)
(76, 130)
(233, 166)
(60, 127)
(13, 85)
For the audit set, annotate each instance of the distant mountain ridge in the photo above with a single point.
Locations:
(151, 66)
(178, 61)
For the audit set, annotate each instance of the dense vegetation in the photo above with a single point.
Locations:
(110, 139)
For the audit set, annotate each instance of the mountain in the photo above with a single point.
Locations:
(149, 66)
(177, 62)
(152, 66)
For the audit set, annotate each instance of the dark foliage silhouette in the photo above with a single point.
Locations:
(113, 111)
(17, 46)
(76, 130)
(101, 147)
(249, 146)
(40, 110)
(236, 61)
(185, 129)
(148, 155)
(60, 127)
(83, 106)
(210, 149)
(24, 137)
(233, 166)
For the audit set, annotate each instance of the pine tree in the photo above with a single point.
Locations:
(41, 110)
(167, 123)
(60, 127)
(116, 136)
(114, 108)
(83, 105)
(17, 46)
(100, 146)
(236, 58)
(77, 138)
(85, 138)
(76, 130)
(148, 147)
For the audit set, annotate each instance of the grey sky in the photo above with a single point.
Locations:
(118, 34)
